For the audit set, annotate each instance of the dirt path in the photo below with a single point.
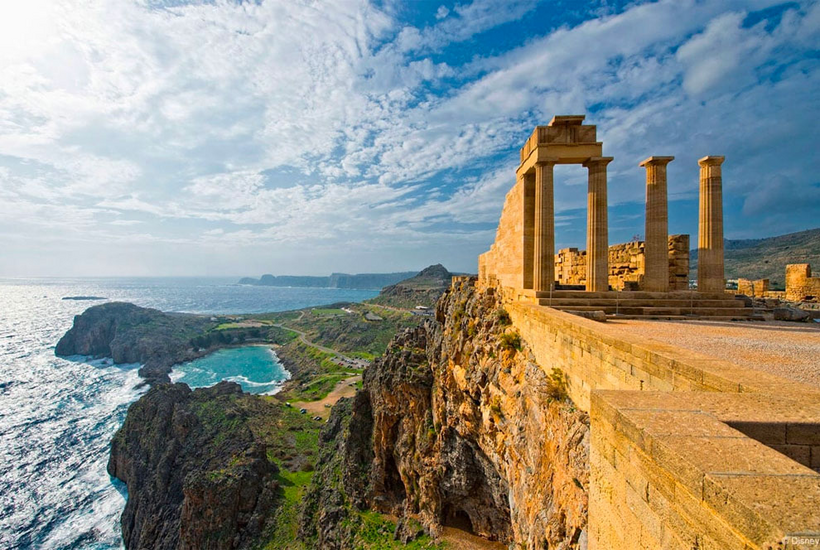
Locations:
(342, 389)
(304, 339)
(457, 539)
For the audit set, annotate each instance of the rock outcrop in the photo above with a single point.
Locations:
(457, 425)
(198, 476)
(423, 289)
(133, 334)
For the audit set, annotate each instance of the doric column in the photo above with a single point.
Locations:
(597, 230)
(656, 250)
(544, 241)
(710, 226)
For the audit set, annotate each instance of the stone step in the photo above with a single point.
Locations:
(554, 302)
(728, 312)
(635, 295)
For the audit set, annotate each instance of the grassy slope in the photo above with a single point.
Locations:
(767, 258)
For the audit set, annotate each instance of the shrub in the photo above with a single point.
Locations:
(557, 385)
(503, 317)
(510, 341)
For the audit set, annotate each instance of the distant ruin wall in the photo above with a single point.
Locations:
(626, 265)
(800, 285)
(758, 288)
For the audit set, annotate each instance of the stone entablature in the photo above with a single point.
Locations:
(800, 285)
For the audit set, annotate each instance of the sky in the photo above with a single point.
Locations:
(173, 137)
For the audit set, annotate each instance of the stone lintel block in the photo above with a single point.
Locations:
(711, 160)
(656, 160)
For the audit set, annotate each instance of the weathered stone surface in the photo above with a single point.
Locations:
(790, 314)
(190, 486)
(800, 285)
(627, 265)
(467, 431)
(710, 226)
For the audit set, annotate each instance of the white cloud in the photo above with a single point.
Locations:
(174, 117)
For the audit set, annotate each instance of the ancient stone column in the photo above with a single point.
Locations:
(597, 230)
(656, 251)
(544, 241)
(710, 226)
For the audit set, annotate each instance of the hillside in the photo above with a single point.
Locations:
(767, 258)
(362, 281)
(423, 289)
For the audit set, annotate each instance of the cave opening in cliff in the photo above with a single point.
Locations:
(393, 484)
(457, 518)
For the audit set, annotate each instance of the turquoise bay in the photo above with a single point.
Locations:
(255, 368)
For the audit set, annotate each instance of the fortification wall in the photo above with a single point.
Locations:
(687, 451)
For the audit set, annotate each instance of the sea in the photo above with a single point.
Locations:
(57, 416)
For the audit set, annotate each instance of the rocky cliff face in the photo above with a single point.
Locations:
(198, 476)
(133, 334)
(457, 425)
(424, 288)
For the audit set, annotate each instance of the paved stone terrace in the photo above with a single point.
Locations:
(790, 350)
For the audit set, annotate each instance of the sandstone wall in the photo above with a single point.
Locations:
(571, 266)
(627, 265)
(504, 261)
(800, 285)
(678, 262)
(758, 288)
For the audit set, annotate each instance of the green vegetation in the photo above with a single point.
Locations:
(510, 341)
(317, 388)
(557, 385)
(375, 532)
(328, 311)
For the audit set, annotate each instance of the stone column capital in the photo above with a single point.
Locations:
(711, 161)
(656, 161)
(597, 162)
(546, 162)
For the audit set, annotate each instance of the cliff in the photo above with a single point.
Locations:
(196, 467)
(456, 425)
(424, 288)
(133, 334)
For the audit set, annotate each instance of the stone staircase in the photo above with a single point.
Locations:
(639, 304)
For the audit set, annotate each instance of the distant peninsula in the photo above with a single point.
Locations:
(361, 281)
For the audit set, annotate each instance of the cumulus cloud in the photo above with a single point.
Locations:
(155, 122)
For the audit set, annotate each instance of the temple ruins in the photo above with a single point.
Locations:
(523, 259)
(693, 443)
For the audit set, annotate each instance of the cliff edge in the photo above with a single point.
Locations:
(133, 334)
(198, 475)
(457, 426)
